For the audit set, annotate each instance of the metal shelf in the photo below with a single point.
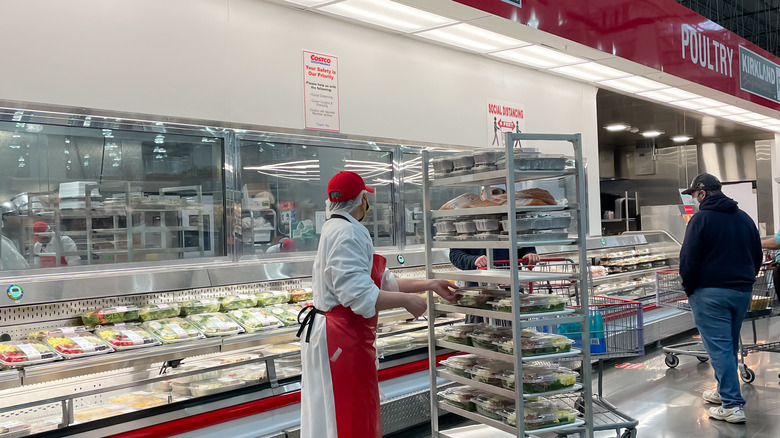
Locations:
(10, 379)
(478, 418)
(474, 384)
(503, 356)
(608, 277)
(534, 319)
(501, 276)
(502, 243)
(575, 388)
(498, 177)
(501, 209)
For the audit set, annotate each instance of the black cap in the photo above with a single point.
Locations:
(704, 181)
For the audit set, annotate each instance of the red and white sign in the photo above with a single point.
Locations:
(660, 34)
(503, 117)
(321, 92)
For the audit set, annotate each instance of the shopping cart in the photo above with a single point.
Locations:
(669, 293)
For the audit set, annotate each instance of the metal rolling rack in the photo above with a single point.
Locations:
(513, 277)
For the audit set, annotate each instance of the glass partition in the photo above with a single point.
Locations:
(83, 196)
(284, 193)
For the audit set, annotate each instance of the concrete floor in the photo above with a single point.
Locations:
(667, 401)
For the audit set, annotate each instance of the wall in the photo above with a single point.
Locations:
(240, 61)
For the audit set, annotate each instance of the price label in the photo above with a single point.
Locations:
(162, 306)
(180, 332)
(260, 318)
(84, 344)
(30, 351)
(133, 337)
(244, 297)
(219, 324)
(121, 309)
(278, 293)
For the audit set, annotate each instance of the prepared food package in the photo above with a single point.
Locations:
(490, 373)
(540, 303)
(253, 321)
(460, 365)
(419, 338)
(140, 400)
(14, 428)
(461, 201)
(271, 297)
(393, 344)
(460, 397)
(111, 315)
(203, 305)
(215, 324)
(77, 344)
(126, 336)
(173, 330)
(459, 333)
(40, 334)
(445, 227)
(545, 344)
(442, 166)
(301, 294)
(234, 302)
(487, 224)
(534, 197)
(491, 405)
(286, 313)
(208, 387)
(465, 227)
(463, 161)
(93, 413)
(248, 374)
(15, 354)
(537, 379)
(486, 336)
(159, 311)
(478, 297)
(292, 361)
(273, 350)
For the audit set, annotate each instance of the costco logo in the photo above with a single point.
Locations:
(320, 60)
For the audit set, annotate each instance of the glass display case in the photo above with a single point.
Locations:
(84, 195)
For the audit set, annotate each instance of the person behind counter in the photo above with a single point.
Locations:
(45, 245)
(340, 388)
(719, 260)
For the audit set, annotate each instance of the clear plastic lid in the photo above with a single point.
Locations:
(287, 314)
(77, 344)
(253, 321)
(461, 362)
(140, 400)
(544, 341)
(40, 334)
(194, 307)
(111, 315)
(14, 428)
(492, 370)
(271, 297)
(460, 331)
(215, 324)
(126, 336)
(173, 330)
(460, 394)
(159, 311)
(21, 353)
(240, 301)
(301, 294)
(494, 403)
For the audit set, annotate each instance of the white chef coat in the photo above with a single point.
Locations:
(68, 245)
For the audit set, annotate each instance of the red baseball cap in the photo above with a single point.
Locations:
(346, 185)
(40, 228)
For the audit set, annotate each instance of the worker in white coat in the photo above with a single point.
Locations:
(45, 245)
(340, 389)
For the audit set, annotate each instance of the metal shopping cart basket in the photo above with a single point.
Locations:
(669, 293)
(616, 331)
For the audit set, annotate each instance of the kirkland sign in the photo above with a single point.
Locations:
(758, 75)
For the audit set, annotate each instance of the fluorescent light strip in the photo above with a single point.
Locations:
(747, 117)
(590, 71)
(717, 112)
(698, 104)
(387, 14)
(668, 95)
(472, 38)
(308, 3)
(634, 84)
(538, 56)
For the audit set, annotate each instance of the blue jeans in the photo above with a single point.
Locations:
(718, 314)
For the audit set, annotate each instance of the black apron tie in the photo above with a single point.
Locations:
(308, 320)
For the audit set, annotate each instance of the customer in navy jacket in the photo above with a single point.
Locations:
(719, 261)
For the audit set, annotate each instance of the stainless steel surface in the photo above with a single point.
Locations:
(10, 379)
(665, 217)
(764, 184)
(671, 324)
(729, 161)
(405, 411)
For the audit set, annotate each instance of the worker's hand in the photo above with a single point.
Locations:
(444, 289)
(531, 258)
(481, 261)
(415, 305)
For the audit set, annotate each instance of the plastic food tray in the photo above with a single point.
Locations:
(78, 344)
(253, 321)
(301, 294)
(545, 344)
(491, 373)
(110, 315)
(460, 397)
(269, 298)
(215, 324)
(459, 333)
(491, 406)
(465, 227)
(484, 225)
(194, 307)
(21, 353)
(486, 157)
(460, 365)
(126, 337)
(173, 330)
(159, 311)
(237, 302)
(209, 387)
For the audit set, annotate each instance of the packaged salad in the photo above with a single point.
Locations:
(173, 330)
(252, 320)
(159, 311)
(286, 313)
(78, 344)
(460, 397)
(111, 315)
(215, 324)
(234, 302)
(203, 305)
(15, 354)
(460, 365)
(126, 336)
(271, 297)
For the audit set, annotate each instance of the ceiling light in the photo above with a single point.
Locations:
(697, 104)
(634, 84)
(746, 117)
(538, 56)
(616, 127)
(387, 14)
(473, 38)
(590, 71)
(308, 3)
(651, 134)
(718, 112)
(668, 95)
(768, 123)
(680, 138)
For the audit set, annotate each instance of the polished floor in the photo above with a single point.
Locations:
(667, 401)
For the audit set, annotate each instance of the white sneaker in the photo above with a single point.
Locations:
(732, 415)
(712, 396)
